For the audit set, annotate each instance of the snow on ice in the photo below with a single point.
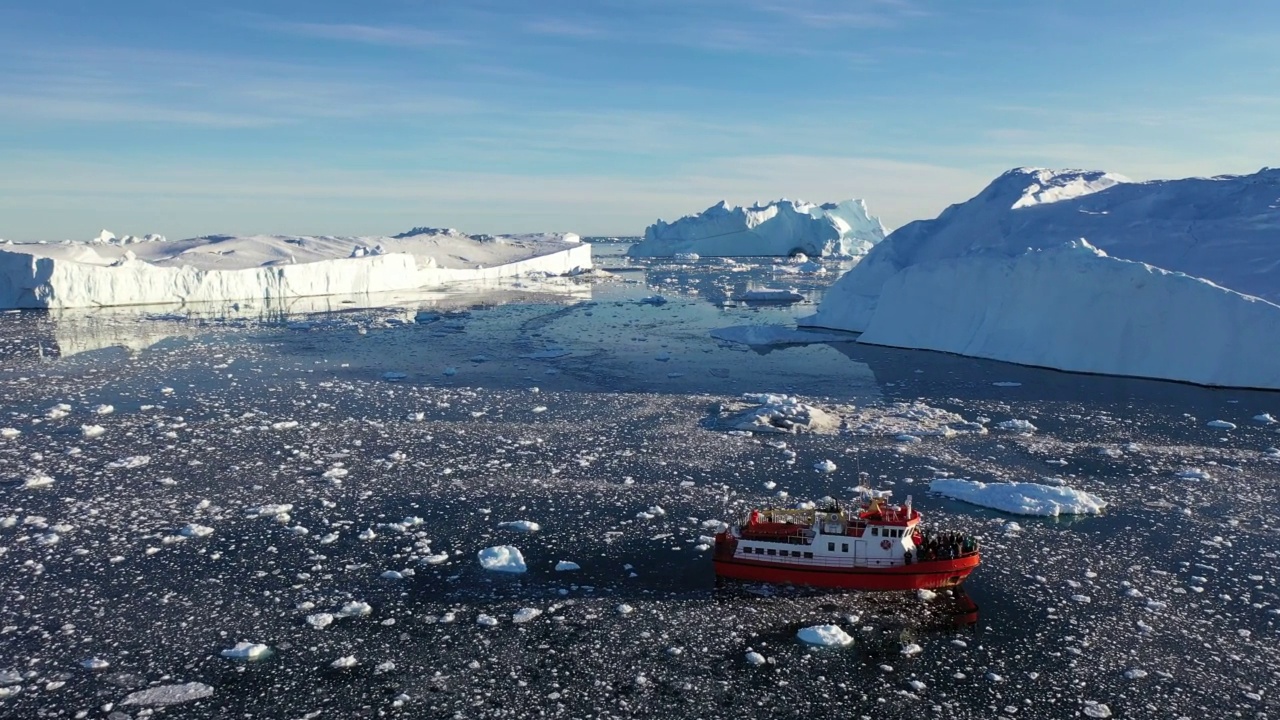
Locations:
(1021, 498)
(825, 636)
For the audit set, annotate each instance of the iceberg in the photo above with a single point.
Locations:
(152, 270)
(1086, 272)
(784, 227)
(1021, 498)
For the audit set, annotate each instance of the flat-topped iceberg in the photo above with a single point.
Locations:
(1021, 498)
(1084, 271)
(110, 271)
(783, 227)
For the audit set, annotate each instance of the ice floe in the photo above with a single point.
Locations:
(1022, 498)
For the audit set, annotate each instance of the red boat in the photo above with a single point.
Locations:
(876, 546)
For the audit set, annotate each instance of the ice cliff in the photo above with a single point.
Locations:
(1084, 271)
(111, 271)
(785, 227)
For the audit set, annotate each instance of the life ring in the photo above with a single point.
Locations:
(885, 544)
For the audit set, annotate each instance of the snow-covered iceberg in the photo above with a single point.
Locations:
(1084, 271)
(110, 271)
(784, 227)
(1021, 498)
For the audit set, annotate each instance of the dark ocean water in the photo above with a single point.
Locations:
(594, 414)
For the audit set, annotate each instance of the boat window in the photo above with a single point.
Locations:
(809, 555)
(875, 531)
(844, 547)
(759, 551)
(795, 553)
(831, 547)
(746, 550)
(772, 551)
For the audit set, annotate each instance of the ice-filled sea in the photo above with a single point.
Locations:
(277, 512)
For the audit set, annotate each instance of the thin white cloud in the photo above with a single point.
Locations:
(393, 35)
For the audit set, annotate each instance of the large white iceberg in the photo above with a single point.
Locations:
(784, 227)
(109, 271)
(1087, 272)
(1021, 498)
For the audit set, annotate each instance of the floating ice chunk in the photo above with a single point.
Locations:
(48, 539)
(1096, 709)
(1265, 419)
(782, 414)
(994, 677)
(133, 461)
(486, 620)
(10, 677)
(1083, 599)
(1022, 498)
(367, 534)
(168, 694)
(436, 559)
(520, 525)
(911, 649)
(524, 615)
(194, 530)
(104, 409)
(284, 425)
(502, 558)
(926, 595)
(1022, 426)
(94, 663)
(824, 635)
(345, 662)
(394, 376)
(824, 466)
(36, 479)
(9, 433)
(1221, 425)
(653, 300)
(1012, 528)
(1135, 674)
(566, 565)
(92, 431)
(755, 658)
(685, 257)
(246, 651)
(392, 575)
(328, 538)
(1194, 474)
(320, 621)
(270, 510)
(58, 411)
(625, 609)
(355, 608)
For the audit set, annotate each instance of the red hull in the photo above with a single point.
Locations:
(929, 574)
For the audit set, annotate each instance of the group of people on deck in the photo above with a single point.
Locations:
(943, 546)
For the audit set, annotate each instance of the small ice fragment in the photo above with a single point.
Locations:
(502, 558)
(912, 649)
(824, 466)
(486, 620)
(168, 695)
(104, 409)
(755, 658)
(825, 636)
(625, 609)
(246, 651)
(343, 663)
(1016, 425)
(520, 526)
(1221, 425)
(92, 431)
(392, 575)
(567, 565)
(94, 663)
(524, 615)
(320, 621)
(193, 530)
(926, 595)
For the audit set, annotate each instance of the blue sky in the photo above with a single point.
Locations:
(599, 116)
